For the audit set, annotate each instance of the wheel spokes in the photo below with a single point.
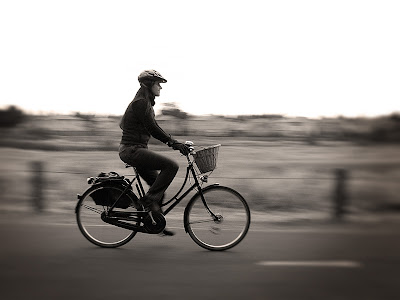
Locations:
(93, 209)
(202, 221)
(219, 219)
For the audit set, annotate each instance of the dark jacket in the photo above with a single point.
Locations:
(138, 122)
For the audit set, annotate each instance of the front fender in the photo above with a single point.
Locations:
(185, 215)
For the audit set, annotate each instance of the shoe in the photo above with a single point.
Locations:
(167, 232)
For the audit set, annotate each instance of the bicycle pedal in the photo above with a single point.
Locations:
(152, 219)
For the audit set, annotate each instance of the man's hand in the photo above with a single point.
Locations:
(181, 147)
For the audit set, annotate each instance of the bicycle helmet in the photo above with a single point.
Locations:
(151, 75)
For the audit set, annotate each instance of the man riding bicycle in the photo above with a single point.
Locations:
(138, 124)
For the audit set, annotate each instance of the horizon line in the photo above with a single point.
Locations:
(278, 115)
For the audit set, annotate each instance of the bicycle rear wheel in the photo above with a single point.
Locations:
(228, 229)
(92, 204)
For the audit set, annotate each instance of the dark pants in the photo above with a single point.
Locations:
(148, 163)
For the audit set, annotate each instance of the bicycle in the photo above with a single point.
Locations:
(217, 218)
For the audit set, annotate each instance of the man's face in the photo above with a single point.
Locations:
(156, 88)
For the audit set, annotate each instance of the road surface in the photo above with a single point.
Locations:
(50, 259)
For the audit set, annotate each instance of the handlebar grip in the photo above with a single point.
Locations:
(189, 143)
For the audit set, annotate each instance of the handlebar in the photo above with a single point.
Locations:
(190, 145)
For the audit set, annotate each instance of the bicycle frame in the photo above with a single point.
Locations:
(175, 199)
(178, 198)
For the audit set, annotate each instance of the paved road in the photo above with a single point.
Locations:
(52, 260)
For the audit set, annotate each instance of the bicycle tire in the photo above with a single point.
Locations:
(225, 233)
(93, 228)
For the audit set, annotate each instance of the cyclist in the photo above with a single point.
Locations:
(138, 124)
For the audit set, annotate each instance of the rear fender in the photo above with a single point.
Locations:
(79, 196)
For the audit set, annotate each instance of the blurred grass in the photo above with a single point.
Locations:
(271, 176)
(292, 171)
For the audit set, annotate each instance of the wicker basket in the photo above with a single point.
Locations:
(206, 159)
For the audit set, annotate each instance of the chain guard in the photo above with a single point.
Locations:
(147, 227)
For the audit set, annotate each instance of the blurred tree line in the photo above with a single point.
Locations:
(88, 130)
(11, 116)
(172, 109)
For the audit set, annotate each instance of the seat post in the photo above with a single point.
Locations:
(139, 185)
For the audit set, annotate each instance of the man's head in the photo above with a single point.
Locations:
(152, 79)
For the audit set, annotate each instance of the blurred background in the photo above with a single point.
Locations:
(282, 165)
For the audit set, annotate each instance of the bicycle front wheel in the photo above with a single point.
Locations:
(226, 225)
(92, 204)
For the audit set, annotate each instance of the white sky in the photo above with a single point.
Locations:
(304, 58)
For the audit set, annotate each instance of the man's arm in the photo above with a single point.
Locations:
(146, 115)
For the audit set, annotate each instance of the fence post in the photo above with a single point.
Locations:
(340, 197)
(37, 185)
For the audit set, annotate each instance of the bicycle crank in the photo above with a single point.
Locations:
(154, 222)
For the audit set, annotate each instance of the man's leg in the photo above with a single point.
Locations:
(150, 177)
(147, 163)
